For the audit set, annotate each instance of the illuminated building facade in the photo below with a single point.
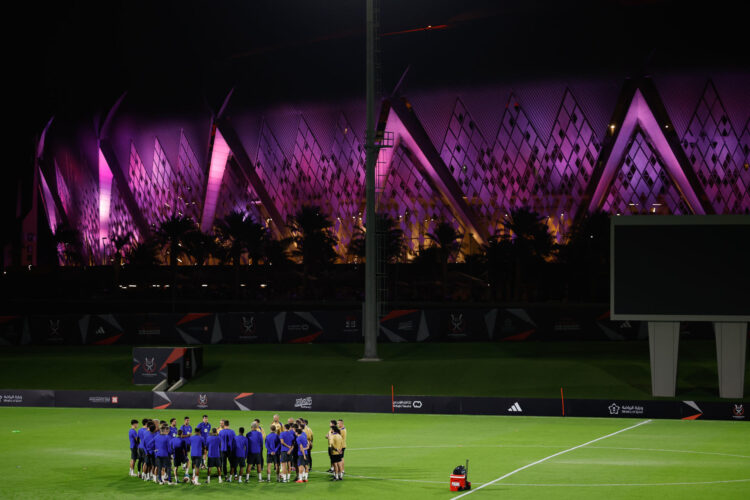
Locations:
(674, 145)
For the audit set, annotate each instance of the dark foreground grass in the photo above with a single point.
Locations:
(82, 453)
(585, 369)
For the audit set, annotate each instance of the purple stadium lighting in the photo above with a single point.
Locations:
(468, 157)
(640, 115)
(219, 156)
(105, 198)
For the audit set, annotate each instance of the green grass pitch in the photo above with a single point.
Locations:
(82, 453)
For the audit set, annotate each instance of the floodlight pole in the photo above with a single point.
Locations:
(370, 323)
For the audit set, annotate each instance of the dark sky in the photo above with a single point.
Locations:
(73, 61)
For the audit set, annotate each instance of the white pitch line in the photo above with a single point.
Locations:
(453, 446)
(551, 456)
(558, 485)
(389, 478)
(671, 451)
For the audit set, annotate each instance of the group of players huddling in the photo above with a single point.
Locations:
(158, 450)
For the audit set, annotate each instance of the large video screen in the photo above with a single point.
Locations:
(680, 268)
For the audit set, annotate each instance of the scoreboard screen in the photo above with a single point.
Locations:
(680, 268)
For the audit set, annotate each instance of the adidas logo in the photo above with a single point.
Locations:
(516, 408)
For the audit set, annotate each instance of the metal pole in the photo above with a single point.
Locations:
(370, 325)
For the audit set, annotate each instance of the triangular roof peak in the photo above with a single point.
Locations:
(641, 108)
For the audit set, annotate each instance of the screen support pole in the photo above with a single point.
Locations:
(663, 343)
(731, 346)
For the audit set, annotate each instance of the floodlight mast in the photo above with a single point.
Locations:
(370, 322)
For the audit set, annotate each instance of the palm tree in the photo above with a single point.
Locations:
(172, 234)
(532, 244)
(314, 239)
(498, 259)
(231, 233)
(276, 252)
(391, 241)
(424, 265)
(68, 243)
(143, 257)
(144, 254)
(447, 241)
(200, 246)
(241, 234)
(586, 253)
(119, 242)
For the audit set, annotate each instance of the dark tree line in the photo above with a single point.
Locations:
(520, 262)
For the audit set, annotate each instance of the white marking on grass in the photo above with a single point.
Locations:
(671, 451)
(632, 484)
(453, 446)
(551, 456)
(387, 478)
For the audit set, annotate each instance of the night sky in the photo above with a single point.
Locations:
(74, 61)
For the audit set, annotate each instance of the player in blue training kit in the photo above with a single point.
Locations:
(255, 451)
(204, 428)
(173, 427)
(150, 450)
(133, 438)
(163, 445)
(273, 450)
(227, 445)
(141, 448)
(239, 453)
(287, 443)
(302, 446)
(213, 445)
(196, 454)
(180, 447)
(186, 428)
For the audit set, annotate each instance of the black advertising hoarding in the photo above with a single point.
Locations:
(456, 325)
(511, 406)
(569, 322)
(62, 329)
(202, 400)
(10, 397)
(103, 329)
(617, 408)
(334, 403)
(14, 330)
(150, 363)
(427, 404)
(103, 399)
(248, 328)
(152, 329)
(719, 410)
(321, 402)
(340, 325)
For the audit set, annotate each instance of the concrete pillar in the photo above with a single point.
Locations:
(663, 342)
(731, 345)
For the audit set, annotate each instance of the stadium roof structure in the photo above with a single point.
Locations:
(467, 156)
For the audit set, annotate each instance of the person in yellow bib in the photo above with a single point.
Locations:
(328, 439)
(336, 444)
(342, 430)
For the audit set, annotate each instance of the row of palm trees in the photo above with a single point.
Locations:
(512, 262)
